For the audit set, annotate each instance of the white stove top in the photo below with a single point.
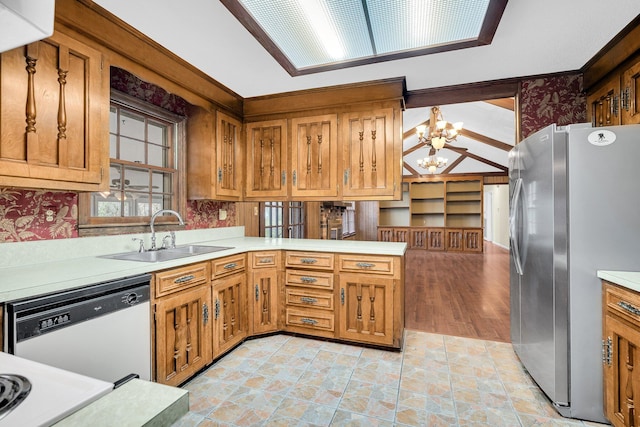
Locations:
(55, 393)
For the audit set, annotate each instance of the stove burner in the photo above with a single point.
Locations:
(13, 390)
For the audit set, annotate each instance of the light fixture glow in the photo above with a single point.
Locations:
(318, 16)
(432, 163)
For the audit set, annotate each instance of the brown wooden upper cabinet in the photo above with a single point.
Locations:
(54, 104)
(266, 159)
(314, 157)
(215, 157)
(371, 155)
(616, 101)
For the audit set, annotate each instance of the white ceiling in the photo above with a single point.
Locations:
(534, 37)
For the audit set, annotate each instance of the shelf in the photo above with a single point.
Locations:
(464, 220)
(394, 216)
(426, 190)
(426, 220)
(464, 186)
(464, 196)
(427, 206)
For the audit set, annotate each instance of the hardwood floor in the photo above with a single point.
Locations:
(458, 294)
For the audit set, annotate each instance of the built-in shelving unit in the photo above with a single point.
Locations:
(395, 212)
(436, 213)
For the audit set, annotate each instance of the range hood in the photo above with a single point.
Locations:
(25, 21)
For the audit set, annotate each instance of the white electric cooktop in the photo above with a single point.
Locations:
(54, 393)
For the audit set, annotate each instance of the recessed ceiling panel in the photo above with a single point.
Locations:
(307, 36)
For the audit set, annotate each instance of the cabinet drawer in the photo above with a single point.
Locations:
(264, 259)
(315, 260)
(311, 319)
(306, 298)
(623, 302)
(309, 279)
(228, 265)
(176, 279)
(366, 264)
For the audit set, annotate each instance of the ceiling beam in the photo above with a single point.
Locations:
(455, 163)
(410, 169)
(481, 91)
(478, 158)
(506, 103)
(412, 131)
(486, 140)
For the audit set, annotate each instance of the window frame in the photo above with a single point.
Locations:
(92, 225)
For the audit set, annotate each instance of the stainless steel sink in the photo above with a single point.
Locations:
(167, 254)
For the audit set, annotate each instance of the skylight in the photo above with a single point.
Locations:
(307, 36)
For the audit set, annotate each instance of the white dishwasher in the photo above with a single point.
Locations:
(101, 331)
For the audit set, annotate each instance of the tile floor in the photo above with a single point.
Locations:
(437, 380)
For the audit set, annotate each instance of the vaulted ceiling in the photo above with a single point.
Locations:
(482, 147)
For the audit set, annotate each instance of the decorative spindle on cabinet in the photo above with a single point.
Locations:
(368, 140)
(314, 157)
(54, 101)
(621, 354)
(267, 159)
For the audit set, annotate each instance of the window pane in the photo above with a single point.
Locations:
(156, 134)
(158, 155)
(136, 179)
(132, 150)
(161, 182)
(132, 125)
(113, 146)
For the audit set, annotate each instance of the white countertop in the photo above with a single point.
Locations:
(627, 279)
(32, 268)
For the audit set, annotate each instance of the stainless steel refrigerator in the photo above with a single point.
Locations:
(574, 209)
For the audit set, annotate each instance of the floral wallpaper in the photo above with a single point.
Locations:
(37, 215)
(205, 214)
(550, 100)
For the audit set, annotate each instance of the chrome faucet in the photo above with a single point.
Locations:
(153, 232)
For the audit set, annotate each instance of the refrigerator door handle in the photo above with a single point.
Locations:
(513, 231)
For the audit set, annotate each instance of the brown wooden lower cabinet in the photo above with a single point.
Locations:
(621, 355)
(203, 310)
(435, 238)
(229, 301)
(366, 308)
(182, 335)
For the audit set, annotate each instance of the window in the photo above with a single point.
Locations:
(283, 219)
(145, 166)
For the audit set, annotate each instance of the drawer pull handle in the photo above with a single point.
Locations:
(342, 296)
(365, 265)
(629, 307)
(308, 300)
(306, 279)
(265, 260)
(230, 265)
(308, 260)
(308, 321)
(217, 309)
(257, 292)
(184, 278)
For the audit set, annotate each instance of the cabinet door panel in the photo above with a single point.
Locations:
(53, 104)
(229, 166)
(267, 159)
(229, 301)
(603, 106)
(314, 159)
(366, 308)
(264, 301)
(182, 335)
(370, 154)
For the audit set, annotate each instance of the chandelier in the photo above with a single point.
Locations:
(439, 133)
(432, 163)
